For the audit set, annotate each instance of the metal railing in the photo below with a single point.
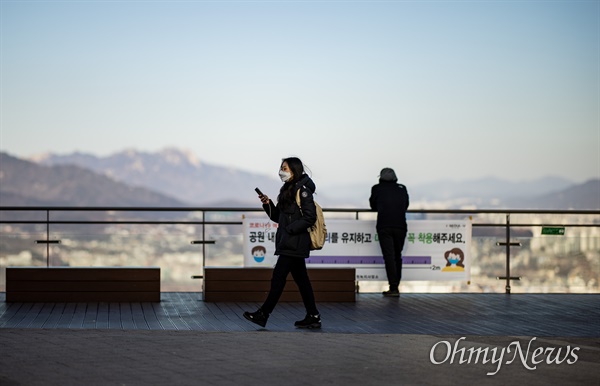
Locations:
(507, 225)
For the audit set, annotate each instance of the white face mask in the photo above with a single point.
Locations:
(285, 176)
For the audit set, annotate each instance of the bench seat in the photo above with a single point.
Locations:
(253, 284)
(83, 284)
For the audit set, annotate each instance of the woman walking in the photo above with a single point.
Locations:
(292, 242)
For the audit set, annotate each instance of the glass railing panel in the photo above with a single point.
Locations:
(559, 262)
(19, 248)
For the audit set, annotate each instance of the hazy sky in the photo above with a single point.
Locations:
(434, 89)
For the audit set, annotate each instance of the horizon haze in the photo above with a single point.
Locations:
(436, 90)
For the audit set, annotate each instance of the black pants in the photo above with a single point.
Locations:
(297, 266)
(391, 241)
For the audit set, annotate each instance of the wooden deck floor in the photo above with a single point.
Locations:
(467, 314)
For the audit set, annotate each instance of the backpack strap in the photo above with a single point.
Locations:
(298, 200)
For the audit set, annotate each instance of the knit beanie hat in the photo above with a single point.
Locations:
(388, 174)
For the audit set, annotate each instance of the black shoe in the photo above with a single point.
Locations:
(391, 293)
(258, 317)
(309, 321)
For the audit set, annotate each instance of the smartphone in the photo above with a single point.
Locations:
(257, 190)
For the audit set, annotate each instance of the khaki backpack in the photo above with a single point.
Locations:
(318, 231)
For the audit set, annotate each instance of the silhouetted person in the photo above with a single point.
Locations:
(390, 200)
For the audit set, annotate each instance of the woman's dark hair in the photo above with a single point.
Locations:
(286, 193)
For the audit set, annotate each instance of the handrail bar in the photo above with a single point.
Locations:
(255, 209)
(109, 222)
(121, 222)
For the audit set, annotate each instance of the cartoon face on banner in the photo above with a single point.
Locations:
(259, 252)
(455, 258)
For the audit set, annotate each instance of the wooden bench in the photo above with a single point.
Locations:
(83, 284)
(253, 284)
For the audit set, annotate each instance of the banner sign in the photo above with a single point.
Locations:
(434, 250)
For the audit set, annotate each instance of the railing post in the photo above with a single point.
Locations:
(508, 245)
(507, 288)
(47, 241)
(48, 238)
(204, 242)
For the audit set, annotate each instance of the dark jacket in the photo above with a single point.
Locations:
(390, 200)
(292, 238)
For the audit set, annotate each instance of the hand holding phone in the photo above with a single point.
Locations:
(263, 198)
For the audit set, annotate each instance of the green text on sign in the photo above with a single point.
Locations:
(553, 231)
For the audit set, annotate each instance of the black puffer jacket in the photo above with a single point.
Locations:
(292, 238)
(390, 200)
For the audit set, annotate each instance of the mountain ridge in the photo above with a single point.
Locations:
(173, 172)
(26, 183)
(182, 176)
